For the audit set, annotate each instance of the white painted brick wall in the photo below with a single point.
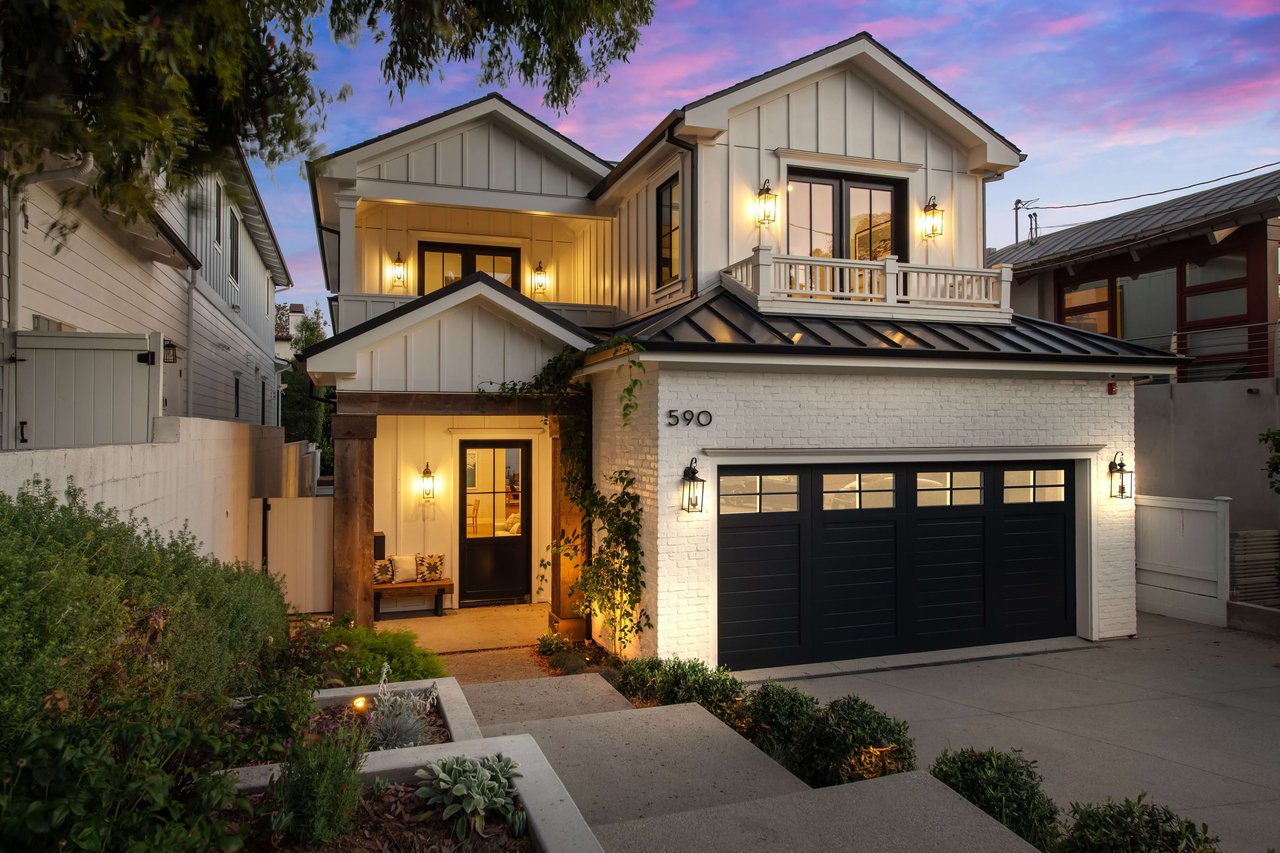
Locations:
(755, 410)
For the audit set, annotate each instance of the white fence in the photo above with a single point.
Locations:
(1183, 557)
(82, 389)
(298, 536)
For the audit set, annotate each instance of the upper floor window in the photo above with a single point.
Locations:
(846, 216)
(442, 264)
(668, 230)
(217, 213)
(233, 245)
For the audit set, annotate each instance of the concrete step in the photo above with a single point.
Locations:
(907, 812)
(648, 762)
(503, 702)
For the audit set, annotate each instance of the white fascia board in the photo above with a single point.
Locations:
(986, 150)
(346, 165)
(853, 455)
(341, 360)
(375, 189)
(884, 366)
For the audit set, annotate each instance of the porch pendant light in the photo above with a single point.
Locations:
(1121, 478)
(932, 218)
(397, 271)
(766, 205)
(691, 486)
(539, 279)
(428, 485)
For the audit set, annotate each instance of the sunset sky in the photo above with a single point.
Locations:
(1105, 99)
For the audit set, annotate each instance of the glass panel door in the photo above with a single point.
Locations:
(870, 223)
(496, 562)
(443, 264)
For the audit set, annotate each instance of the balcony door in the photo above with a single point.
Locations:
(442, 264)
(845, 216)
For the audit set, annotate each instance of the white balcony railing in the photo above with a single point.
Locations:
(806, 285)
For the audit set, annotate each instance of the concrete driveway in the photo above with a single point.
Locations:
(1187, 713)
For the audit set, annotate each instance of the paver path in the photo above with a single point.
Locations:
(1188, 713)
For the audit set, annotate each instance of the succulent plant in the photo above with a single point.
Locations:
(396, 728)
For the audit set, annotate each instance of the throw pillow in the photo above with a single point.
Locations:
(403, 568)
(382, 571)
(430, 567)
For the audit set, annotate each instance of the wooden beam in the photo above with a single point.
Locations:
(415, 403)
(353, 525)
(350, 425)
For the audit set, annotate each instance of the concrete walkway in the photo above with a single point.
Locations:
(1187, 713)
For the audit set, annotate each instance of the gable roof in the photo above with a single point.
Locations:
(478, 285)
(721, 321)
(1251, 199)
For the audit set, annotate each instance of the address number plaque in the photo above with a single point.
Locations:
(688, 417)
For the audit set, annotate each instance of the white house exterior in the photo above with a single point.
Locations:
(894, 460)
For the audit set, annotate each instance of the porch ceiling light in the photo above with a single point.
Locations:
(691, 486)
(1121, 478)
(397, 270)
(766, 205)
(539, 279)
(427, 483)
(932, 218)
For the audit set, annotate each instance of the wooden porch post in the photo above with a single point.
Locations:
(565, 516)
(353, 436)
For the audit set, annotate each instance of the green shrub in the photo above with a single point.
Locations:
(671, 681)
(319, 786)
(117, 781)
(361, 652)
(470, 790)
(550, 643)
(1133, 825)
(267, 720)
(1006, 786)
(567, 661)
(94, 608)
(774, 713)
(847, 741)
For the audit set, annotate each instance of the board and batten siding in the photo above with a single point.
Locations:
(456, 351)
(635, 251)
(837, 122)
(481, 155)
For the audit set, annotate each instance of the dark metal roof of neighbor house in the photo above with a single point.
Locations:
(723, 322)
(1231, 204)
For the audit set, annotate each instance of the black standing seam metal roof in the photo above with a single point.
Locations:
(1259, 195)
(722, 322)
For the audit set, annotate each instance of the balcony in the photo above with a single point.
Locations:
(793, 284)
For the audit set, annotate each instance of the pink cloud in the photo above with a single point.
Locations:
(1071, 25)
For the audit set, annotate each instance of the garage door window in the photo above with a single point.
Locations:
(1036, 486)
(949, 488)
(759, 493)
(857, 491)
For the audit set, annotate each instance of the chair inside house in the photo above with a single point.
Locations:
(473, 517)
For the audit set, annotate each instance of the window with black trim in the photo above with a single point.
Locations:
(217, 213)
(741, 493)
(857, 491)
(1036, 485)
(235, 391)
(442, 264)
(668, 230)
(949, 488)
(233, 244)
(830, 215)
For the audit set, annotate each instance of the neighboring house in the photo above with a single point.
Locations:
(1197, 275)
(118, 324)
(286, 328)
(894, 460)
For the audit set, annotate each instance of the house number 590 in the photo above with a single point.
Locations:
(676, 417)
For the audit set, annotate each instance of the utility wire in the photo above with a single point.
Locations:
(1147, 195)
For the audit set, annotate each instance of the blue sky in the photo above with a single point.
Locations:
(1106, 99)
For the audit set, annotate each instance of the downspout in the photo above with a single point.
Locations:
(693, 202)
(71, 173)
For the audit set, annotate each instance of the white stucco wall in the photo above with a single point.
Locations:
(199, 472)
(791, 410)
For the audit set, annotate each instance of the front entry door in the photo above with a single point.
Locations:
(494, 517)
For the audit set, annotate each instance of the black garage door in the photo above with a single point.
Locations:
(832, 562)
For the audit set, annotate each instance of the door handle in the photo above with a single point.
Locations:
(22, 432)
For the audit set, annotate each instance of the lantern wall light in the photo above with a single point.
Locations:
(427, 484)
(766, 205)
(170, 352)
(691, 488)
(1121, 478)
(932, 218)
(539, 279)
(397, 271)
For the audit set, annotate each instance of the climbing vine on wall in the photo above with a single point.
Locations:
(611, 584)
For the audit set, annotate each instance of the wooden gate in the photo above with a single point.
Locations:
(1182, 557)
(295, 535)
(78, 389)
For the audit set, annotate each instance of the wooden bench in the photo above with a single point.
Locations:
(440, 588)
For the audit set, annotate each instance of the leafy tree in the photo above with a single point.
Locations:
(303, 417)
(158, 91)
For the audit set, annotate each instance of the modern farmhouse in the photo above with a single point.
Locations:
(891, 459)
